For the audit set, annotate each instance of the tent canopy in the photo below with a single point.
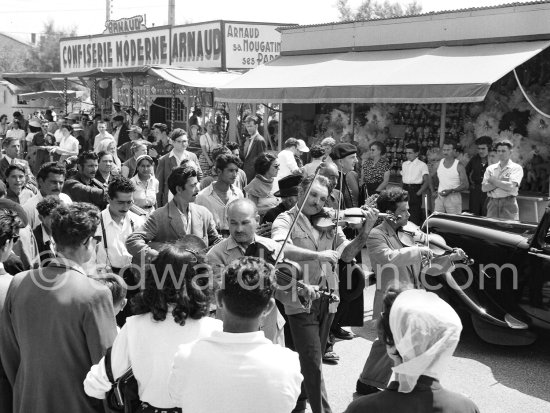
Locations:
(447, 74)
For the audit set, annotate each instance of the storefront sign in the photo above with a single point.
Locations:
(148, 47)
(197, 45)
(124, 25)
(250, 45)
(193, 45)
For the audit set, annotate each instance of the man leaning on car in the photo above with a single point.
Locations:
(501, 182)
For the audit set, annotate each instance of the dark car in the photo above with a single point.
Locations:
(507, 289)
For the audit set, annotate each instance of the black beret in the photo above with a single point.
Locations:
(288, 186)
(341, 150)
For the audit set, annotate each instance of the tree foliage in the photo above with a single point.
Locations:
(45, 56)
(372, 9)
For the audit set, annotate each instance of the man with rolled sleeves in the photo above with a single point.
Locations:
(501, 181)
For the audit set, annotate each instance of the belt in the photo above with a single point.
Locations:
(147, 408)
(503, 197)
(405, 186)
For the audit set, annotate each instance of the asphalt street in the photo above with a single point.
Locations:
(498, 379)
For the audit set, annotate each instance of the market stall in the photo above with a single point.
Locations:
(426, 78)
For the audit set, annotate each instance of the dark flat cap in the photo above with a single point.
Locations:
(341, 150)
(118, 118)
(18, 209)
(288, 186)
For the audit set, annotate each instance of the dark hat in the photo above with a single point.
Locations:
(116, 104)
(118, 118)
(288, 186)
(18, 209)
(341, 150)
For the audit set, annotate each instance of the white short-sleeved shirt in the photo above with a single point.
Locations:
(413, 172)
(247, 372)
(511, 172)
(287, 163)
(148, 346)
(209, 199)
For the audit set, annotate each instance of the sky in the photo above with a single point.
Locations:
(20, 18)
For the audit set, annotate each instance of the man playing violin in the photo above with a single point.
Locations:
(393, 262)
(310, 328)
(243, 220)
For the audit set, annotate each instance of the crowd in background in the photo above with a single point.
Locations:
(93, 211)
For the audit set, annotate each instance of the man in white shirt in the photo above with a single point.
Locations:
(248, 372)
(287, 162)
(219, 194)
(117, 222)
(103, 134)
(416, 180)
(50, 180)
(501, 182)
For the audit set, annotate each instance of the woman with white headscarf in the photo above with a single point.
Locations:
(421, 332)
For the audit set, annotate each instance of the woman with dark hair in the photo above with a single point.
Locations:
(9, 235)
(208, 142)
(376, 170)
(317, 152)
(4, 126)
(171, 310)
(147, 185)
(261, 189)
(421, 333)
(16, 180)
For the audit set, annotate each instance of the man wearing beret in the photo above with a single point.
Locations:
(253, 146)
(344, 156)
(288, 192)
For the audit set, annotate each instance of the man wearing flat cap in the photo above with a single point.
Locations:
(344, 156)
(288, 192)
(120, 130)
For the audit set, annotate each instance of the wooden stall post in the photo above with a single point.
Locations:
(442, 124)
(280, 139)
(232, 133)
(173, 107)
(65, 98)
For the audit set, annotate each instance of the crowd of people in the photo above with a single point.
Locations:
(208, 274)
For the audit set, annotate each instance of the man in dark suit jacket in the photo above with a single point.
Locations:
(12, 148)
(70, 324)
(120, 130)
(253, 146)
(179, 217)
(84, 187)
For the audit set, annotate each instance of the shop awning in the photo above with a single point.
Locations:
(50, 94)
(195, 78)
(447, 74)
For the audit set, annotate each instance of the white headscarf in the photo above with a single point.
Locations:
(426, 331)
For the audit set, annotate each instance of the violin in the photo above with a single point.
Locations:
(411, 235)
(328, 218)
(286, 271)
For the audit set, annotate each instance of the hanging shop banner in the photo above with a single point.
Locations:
(148, 47)
(249, 45)
(198, 46)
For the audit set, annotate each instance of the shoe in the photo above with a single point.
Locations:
(342, 334)
(330, 357)
(365, 389)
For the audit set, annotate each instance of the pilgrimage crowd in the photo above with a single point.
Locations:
(191, 264)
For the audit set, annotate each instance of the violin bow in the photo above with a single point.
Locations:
(338, 209)
(306, 196)
(427, 228)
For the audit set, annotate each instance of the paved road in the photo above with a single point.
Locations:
(498, 379)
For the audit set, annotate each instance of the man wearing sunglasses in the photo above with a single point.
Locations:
(70, 323)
